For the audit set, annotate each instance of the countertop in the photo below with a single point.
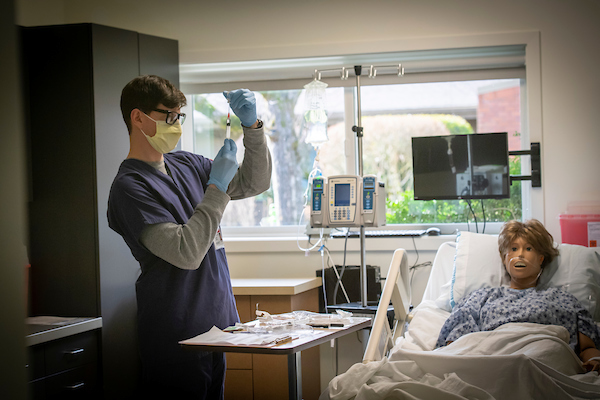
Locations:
(44, 329)
(274, 286)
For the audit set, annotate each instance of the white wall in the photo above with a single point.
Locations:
(267, 29)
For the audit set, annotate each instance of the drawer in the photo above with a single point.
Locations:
(36, 390)
(76, 383)
(238, 385)
(239, 360)
(71, 352)
(36, 366)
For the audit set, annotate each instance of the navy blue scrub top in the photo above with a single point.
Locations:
(173, 304)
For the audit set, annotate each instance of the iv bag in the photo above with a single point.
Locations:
(315, 116)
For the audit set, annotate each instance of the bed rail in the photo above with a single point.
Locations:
(394, 291)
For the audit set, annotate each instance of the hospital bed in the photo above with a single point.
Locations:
(513, 361)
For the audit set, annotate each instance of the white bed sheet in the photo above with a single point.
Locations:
(424, 328)
(518, 360)
(514, 361)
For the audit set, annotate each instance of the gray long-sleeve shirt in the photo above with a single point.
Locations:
(185, 245)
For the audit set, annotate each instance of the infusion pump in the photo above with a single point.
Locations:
(347, 201)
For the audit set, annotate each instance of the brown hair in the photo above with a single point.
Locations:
(146, 92)
(532, 231)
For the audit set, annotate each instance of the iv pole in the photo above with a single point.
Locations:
(358, 129)
(359, 134)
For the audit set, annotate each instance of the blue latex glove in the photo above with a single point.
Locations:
(243, 104)
(224, 166)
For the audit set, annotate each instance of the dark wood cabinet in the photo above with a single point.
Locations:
(73, 76)
(65, 368)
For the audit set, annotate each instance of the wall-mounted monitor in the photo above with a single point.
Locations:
(473, 166)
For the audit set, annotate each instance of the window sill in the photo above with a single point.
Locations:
(285, 239)
(285, 244)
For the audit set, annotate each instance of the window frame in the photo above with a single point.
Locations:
(531, 121)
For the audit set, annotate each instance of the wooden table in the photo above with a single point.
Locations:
(292, 350)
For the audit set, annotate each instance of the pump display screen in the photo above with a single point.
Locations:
(342, 195)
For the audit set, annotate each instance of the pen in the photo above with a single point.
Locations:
(278, 341)
(332, 325)
(283, 340)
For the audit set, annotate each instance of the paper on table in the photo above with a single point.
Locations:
(216, 336)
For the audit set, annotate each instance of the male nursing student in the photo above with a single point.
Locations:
(168, 206)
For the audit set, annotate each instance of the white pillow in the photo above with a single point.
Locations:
(478, 264)
(577, 271)
(441, 272)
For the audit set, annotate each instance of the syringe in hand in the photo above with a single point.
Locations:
(228, 129)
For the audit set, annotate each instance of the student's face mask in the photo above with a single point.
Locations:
(166, 136)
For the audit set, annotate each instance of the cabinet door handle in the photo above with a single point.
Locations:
(74, 352)
(75, 386)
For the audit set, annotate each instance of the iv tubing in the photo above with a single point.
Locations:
(338, 277)
(298, 235)
(310, 176)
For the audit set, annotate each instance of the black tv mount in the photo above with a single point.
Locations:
(536, 169)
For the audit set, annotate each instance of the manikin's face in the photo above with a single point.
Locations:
(523, 264)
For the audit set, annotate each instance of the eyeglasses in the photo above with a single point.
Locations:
(172, 116)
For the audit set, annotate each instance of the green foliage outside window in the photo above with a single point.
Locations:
(406, 210)
(456, 125)
(401, 208)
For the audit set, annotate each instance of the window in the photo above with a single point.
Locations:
(392, 114)
(282, 113)
(393, 110)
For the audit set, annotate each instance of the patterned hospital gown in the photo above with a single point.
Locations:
(488, 308)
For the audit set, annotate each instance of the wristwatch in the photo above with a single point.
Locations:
(259, 126)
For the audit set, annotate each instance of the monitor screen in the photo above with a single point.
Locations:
(454, 167)
(342, 195)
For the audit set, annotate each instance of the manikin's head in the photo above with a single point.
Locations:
(525, 248)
